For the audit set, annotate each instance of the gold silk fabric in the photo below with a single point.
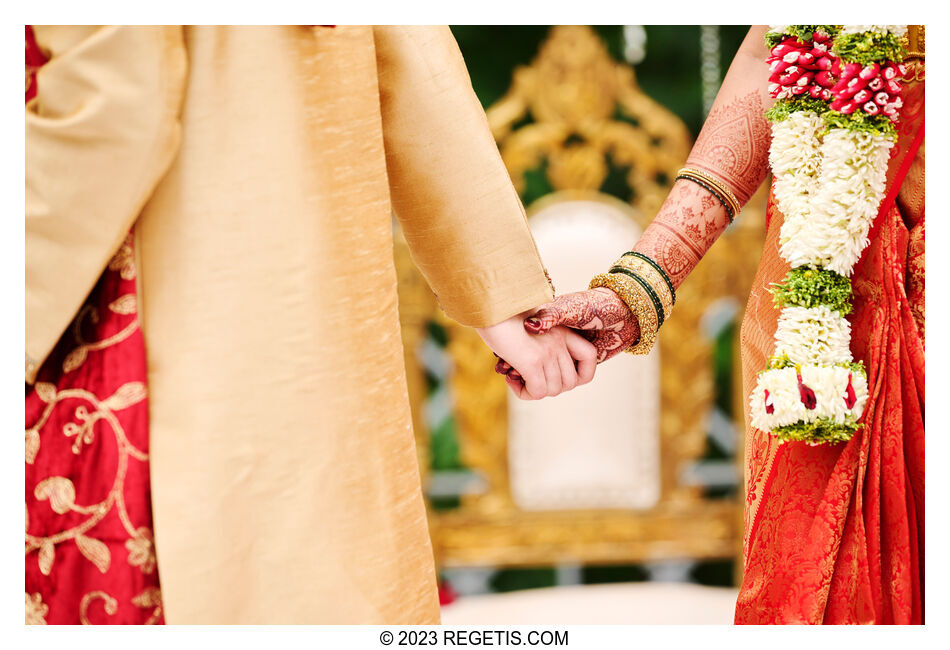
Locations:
(285, 484)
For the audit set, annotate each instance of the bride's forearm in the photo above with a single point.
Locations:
(688, 223)
(732, 147)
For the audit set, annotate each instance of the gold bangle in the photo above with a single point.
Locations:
(716, 183)
(651, 276)
(636, 298)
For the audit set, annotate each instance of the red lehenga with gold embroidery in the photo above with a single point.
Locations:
(835, 533)
(89, 551)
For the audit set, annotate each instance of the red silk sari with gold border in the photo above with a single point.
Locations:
(89, 551)
(834, 533)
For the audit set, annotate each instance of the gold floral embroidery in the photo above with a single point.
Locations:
(124, 261)
(78, 356)
(126, 304)
(150, 598)
(61, 493)
(110, 604)
(36, 610)
(142, 550)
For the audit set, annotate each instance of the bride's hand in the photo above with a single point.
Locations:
(600, 316)
(545, 365)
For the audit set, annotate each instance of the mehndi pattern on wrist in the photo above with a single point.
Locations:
(714, 186)
(636, 298)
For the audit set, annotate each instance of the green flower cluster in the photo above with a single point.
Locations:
(810, 287)
(803, 33)
(783, 108)
(859, 121)
(820, 430)
(783, 361)
(779, 362)
(868, 47)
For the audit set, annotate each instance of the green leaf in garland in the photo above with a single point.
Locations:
(804, 33)
(781, 361)
(783, 108)
(868, 47)
(860, 121)
(820, 430)
(810, 287)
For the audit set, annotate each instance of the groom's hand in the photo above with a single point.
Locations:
(600, 316)
(544, 365)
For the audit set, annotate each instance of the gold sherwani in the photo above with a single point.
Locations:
(260, 167)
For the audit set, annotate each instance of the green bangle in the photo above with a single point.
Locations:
(655, 299)
(659, 269)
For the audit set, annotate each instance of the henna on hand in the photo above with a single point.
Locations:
(599, 315)
(733, 146)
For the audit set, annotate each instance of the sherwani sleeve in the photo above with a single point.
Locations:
(463, 220)
(101, 131)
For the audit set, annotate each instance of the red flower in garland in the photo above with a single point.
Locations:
(872, 88)
(850, 398)
(798, 68)
(807, 394)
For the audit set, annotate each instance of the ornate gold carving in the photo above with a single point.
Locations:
(574, 92)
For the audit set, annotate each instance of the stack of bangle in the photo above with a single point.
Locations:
(714, 186)
(646, 289)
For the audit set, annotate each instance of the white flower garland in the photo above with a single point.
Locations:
(795, 159)
(815, 335)
(828, 224)
(830, 385)
(829, 183)
(896, 30)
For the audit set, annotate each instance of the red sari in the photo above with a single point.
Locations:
(89, 551)
(835, 533)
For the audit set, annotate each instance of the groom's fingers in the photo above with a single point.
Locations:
(585, 354)
(552, 376)
(568, 371)
(535, 381)
(517, 387)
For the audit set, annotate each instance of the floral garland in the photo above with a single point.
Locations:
(832, 134)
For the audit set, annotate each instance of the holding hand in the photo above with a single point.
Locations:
(599, 315)
(544, 365)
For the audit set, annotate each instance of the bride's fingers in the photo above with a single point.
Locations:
(503, 367)
(544, 320)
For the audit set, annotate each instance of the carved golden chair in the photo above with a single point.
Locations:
(587, 114)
